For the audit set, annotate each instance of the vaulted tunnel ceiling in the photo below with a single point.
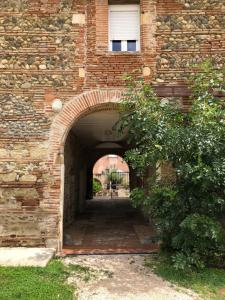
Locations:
(97, 128)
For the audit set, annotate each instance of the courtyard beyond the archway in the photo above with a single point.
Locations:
(109, 226)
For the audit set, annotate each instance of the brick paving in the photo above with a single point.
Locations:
(110, 226)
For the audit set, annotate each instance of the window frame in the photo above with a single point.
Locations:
(124, 47)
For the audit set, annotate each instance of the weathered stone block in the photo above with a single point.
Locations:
(146, 71)
(10, 177)
(20, 153)
(10, 194)
(19, 228)
(38, 152)
(28, 178)
(146, 18)
(52, 243)
(3, 153)
(78, 19)
(81, 72)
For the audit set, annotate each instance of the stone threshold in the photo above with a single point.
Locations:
(25, 257)
(73, 250)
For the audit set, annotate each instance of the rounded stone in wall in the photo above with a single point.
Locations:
(57, 105)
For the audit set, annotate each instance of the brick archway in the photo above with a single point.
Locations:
(76, 108)
(73, 110)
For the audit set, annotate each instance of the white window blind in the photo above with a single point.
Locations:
(124, 22)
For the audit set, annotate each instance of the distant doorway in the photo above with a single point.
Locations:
(111, 178)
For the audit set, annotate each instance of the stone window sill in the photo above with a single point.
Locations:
(124, 53)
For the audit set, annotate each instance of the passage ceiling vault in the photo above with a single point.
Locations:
(97, 129)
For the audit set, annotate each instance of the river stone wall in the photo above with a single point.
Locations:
(187, 35)
(52, 49)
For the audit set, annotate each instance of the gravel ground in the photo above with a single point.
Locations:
(121, 277)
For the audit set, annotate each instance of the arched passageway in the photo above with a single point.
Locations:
(81, 133)
(107, 222)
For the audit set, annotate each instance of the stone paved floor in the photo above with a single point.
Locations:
(122, 277)
(110, 226)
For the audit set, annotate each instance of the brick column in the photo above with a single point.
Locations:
(148, 25)
(148, 39)
(101, 24)
(79, 22)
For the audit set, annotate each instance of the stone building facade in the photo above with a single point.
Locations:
(58, 49)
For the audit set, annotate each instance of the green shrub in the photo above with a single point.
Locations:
(188, 213)
(200, 240)
(97, 187)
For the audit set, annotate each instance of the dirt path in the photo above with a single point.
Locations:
(122, 277)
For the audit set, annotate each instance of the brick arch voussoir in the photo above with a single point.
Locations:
(72, 111)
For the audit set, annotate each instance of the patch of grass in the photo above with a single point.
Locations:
(208, 283)
(28, 283)
(87, 273)
(83, 272)
(108, 273)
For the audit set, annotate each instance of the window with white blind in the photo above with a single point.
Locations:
(124, 27)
